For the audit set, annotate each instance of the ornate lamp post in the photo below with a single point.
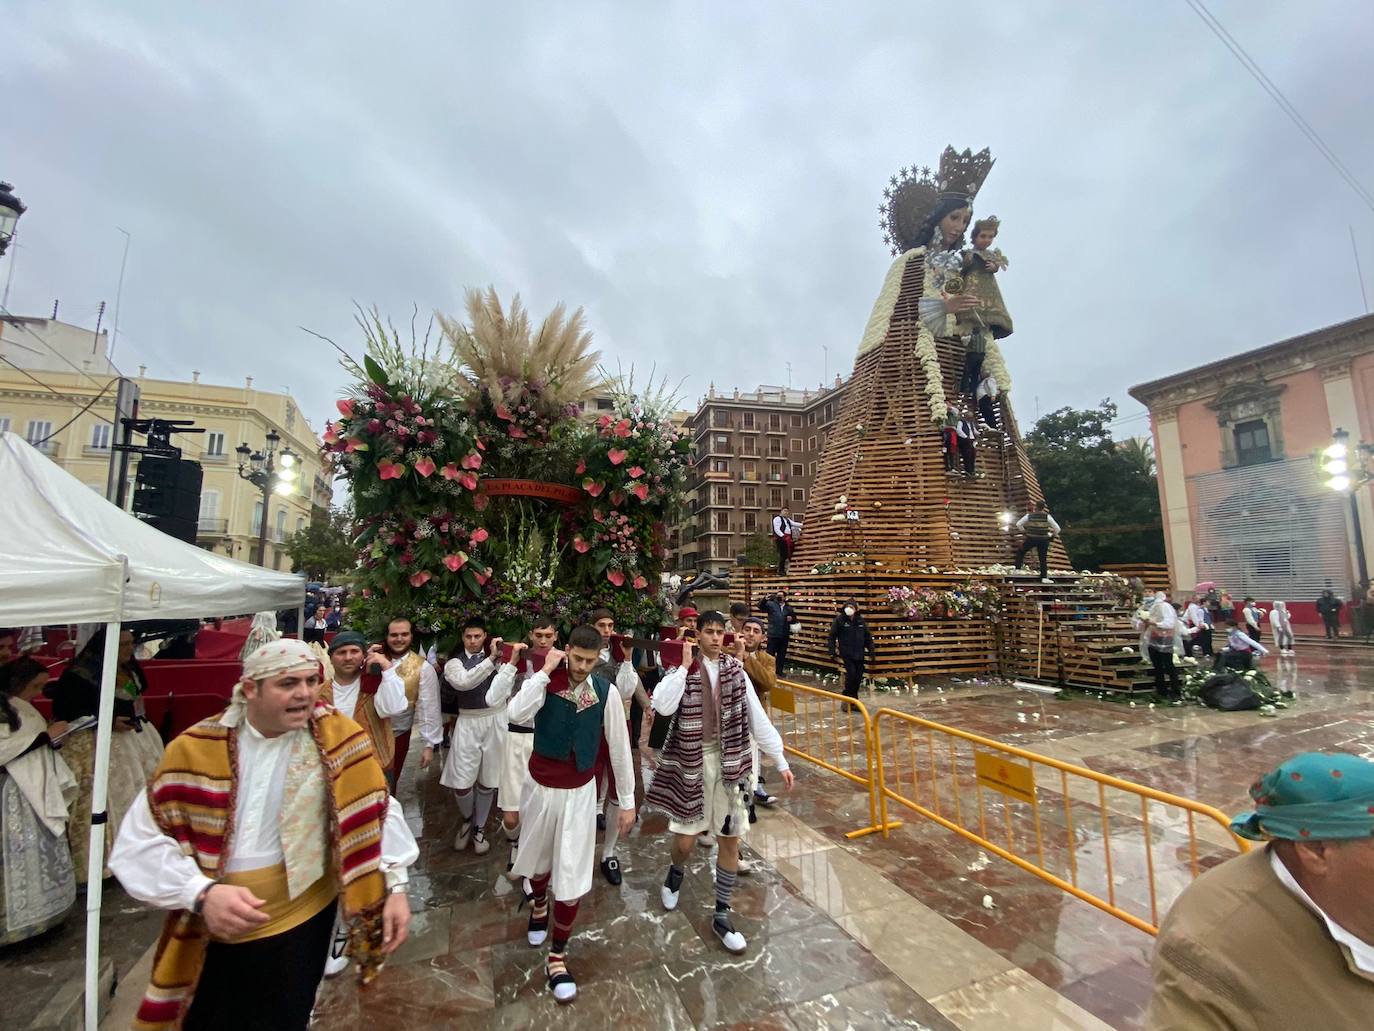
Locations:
(11, 207)
(268, 470)
(1342, 477)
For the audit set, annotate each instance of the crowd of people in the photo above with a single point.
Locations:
(271, 834)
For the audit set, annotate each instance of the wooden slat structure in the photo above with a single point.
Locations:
(919, 527)
(1154, 575)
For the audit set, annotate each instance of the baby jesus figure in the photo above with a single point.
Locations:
(990, 319)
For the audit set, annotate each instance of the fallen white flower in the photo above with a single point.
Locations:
(988, 903)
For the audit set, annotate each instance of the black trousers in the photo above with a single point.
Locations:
(973, 372)
(1204, 640)
(1163, 663)
(263, 985)
(784, 553)
(853, 676)
(988, 410)
(967, 454)
(1332, 622)
(1042, 549)
(777, 647)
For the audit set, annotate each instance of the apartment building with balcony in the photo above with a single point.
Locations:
(753, 452)
(56, 392)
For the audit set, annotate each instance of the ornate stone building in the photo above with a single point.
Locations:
(1243, 497)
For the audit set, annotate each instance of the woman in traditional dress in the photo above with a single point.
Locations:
(37, 885)
(135, 747)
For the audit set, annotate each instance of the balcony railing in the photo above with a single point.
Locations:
(51, 448)
(210, 526)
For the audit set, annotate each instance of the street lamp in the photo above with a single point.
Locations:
(262, 470)
(1345, 479)
(11, 207)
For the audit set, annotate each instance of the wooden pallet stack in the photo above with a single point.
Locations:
(919, 527)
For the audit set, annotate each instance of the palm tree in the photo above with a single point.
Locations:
(1140, 451)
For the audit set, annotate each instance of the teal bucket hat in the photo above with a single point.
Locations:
(1314, 796)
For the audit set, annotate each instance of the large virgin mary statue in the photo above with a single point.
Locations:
(925, 218)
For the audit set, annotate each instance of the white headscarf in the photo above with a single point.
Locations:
(271, 660)
(263, 631)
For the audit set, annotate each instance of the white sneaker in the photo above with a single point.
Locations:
(745, 865)
(669, 897)
(564, 992)
(729, 937)
(337, 962)
(464, 835)
(480, 844)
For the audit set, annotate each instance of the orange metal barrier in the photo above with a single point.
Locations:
(949, 771)
(834, 732)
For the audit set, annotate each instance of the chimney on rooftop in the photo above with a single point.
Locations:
(142, 371)
(195, 376)
(248, 383)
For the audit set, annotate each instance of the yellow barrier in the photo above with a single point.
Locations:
(834, 732)
(1009, 774)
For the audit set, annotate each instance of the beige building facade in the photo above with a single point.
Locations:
(68, 415)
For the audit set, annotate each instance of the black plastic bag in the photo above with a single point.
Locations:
(1228, 692)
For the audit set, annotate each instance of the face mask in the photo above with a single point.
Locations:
(849, 612)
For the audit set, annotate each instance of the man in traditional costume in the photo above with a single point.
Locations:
(1282, 936)
(576, 714)
(256, 827)
(515, 756)
(474, 756)
(422, 696)
(348, 653)
(705, 775)
(615, 666)
(759, 667)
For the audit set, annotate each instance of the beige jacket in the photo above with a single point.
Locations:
(1238, 952)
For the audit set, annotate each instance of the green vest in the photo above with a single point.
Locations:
(1037, 526)
(561, 732)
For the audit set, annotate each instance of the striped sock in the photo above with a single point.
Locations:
(556, 966)
(564, 913)
(725, 887)
(539, 903)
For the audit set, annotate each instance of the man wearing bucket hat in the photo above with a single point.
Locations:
(1283, 936)
(258, 826)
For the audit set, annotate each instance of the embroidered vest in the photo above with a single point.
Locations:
(192, 795)
(453, 701)
(678, 783)
(365, 715)
(563, 732)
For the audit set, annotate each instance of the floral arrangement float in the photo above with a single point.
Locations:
(480, 488)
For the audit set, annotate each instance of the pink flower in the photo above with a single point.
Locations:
(345, 407)
(482, 577)
(641, 491)
(616, 577)
(455, 562)
(479, 535)
(580, 546)
(634, 472)
(425, 466)
(468, 480)
(603, 422)
(354, 444)
(622, 428)
(450, 472)
(331, 435)
(419, 579)
(481, 444)
(617, 455)
(617, 497)
(502, 412)
(481, 502)
(472, 460)
(389, 470)
(518, 433)
(581, 467)
(592, 487)
(640, 583)
(374, 426)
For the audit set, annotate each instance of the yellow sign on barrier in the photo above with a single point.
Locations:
(1001, 774)
(783, 698)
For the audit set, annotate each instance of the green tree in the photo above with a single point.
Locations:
(759, 550)
(324, 549)
(1101, 492)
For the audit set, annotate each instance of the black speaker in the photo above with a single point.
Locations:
(167, 495)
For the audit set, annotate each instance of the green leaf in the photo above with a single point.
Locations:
(470, 581)
(374, 371)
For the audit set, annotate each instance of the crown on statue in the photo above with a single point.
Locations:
(912, 194)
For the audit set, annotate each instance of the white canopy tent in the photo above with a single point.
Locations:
(69, 556)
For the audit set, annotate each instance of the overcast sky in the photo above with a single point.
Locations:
(703, 177)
